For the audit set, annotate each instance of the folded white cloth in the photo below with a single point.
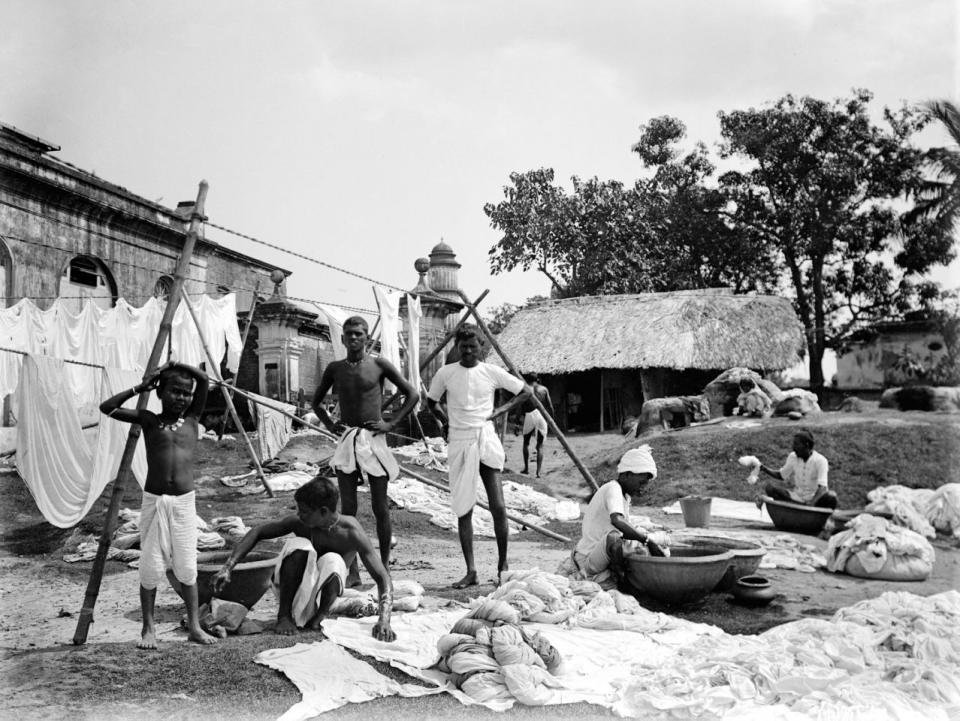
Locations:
(534, 421)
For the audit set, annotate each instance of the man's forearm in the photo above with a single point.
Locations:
(243, 548)
(408, 406)
(773, 473)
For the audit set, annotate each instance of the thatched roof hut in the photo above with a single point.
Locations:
(706, 329)
(604, 356)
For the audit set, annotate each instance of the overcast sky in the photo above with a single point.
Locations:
(361, 132)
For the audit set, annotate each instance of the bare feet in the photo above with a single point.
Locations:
(759, 501)
(285, 626)
(148, 640)
(469, 580)
(353, 581)
(315, 624)
(198, 635)
(500, 572)
(525, 472)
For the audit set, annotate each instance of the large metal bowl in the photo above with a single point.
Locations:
(248, 580)
(746, 556)
(686, 576)
(796, 517)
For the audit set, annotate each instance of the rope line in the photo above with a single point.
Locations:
(305, 257)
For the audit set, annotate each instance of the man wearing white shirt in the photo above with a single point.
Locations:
(474, 452)
(805, 471)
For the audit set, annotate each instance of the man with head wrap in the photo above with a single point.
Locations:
(606, 522)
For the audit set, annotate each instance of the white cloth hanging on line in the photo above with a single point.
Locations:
(389, 303)
(335, 318)
(273, 428)
(121, 337)
(414, 314)
(65, 468)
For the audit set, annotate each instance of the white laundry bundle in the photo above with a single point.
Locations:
(872, 547)
(906, 505)
(753, 463)
(942, 509)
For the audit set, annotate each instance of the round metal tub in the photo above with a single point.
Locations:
(797, 517)
(746, 556)
(248, 580)
(686, 576)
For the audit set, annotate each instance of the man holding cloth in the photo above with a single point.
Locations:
(474, 452)
(607, 531)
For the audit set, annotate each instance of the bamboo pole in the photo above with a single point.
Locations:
(215, 368)
(512, 516)
(536, 401)
(440, 346)
(243, 394)
(123, 472)
(243, 344)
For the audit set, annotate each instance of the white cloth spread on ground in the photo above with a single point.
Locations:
(781, 550)
(432, 454)
(389, 304)
(273, 428)
(317, 572)
(534, 421)
(361, 450)
(467, 448)
(728, 508)
(414, 314)
(168, 538)
(891, 658)
(418, 497)
(328, 677)
(65, 467)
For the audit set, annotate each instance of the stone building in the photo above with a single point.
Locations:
(64, 232)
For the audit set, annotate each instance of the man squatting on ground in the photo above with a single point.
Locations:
(168, 514)
(311, 571)
(533, 420)
(362, 451)
(607, 531)
(474, 451)
(805, 471)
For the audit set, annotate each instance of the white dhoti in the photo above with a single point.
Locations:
(168, 538)
(360, 450)
(534, 421)
(316, 574)
(466, 450)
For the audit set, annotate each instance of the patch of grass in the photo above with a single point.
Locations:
(862, 455)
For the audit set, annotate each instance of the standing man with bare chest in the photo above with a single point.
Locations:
(362, 453)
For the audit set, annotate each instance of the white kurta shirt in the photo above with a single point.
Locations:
(470, 392)
(805, 475)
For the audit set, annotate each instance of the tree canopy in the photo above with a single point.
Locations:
(819, 203)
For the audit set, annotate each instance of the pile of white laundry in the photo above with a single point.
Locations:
(891, 658)
(923, 510)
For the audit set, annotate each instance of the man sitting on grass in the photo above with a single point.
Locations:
(805, 472)
(312, 568)
(607, 531)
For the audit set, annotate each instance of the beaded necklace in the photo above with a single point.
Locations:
(175, 426)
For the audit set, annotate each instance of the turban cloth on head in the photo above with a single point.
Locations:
(638, 460)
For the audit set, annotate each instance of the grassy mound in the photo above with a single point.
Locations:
(914, 450)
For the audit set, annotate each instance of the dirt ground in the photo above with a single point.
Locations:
(42, 675)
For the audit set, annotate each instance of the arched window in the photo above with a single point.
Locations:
(87, 277)
(6, 275)
(163, 287)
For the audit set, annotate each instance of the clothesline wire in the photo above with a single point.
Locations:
(294, 253)
(65, 360)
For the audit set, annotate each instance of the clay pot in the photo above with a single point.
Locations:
(753, 591)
